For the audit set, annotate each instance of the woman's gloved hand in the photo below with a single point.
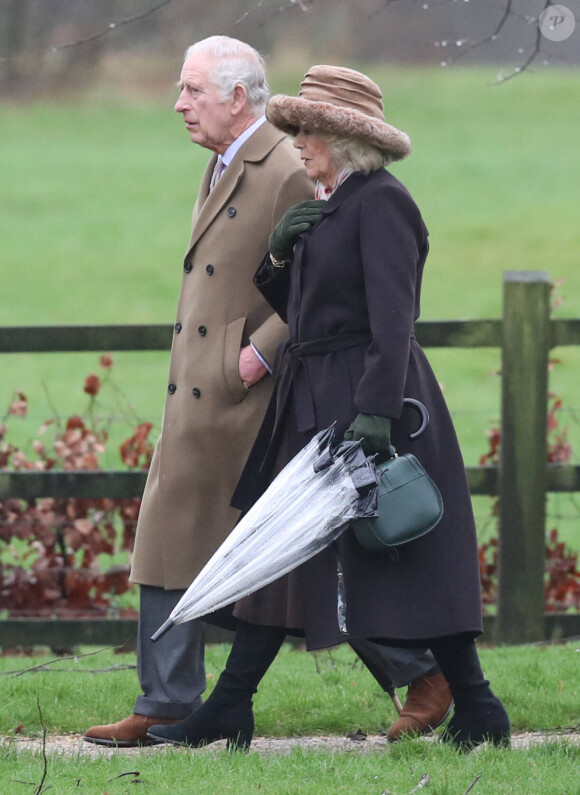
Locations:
(295, 221)
(375, 433)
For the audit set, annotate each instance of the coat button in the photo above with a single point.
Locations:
(231, 212)
(196, 392)
(178, 328)
(202, 331)
(188, 267)
(209, 269)
(171, 389)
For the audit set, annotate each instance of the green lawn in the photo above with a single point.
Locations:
(545, 770)
(303, 694)
(96, 200)
(327, 692)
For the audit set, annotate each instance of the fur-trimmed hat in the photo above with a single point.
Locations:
(339, 101)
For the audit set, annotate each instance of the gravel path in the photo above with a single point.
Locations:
(73, 744)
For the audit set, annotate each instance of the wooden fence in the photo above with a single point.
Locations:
(526, 334)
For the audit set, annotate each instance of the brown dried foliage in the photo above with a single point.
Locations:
(50, 548)
(562, 573)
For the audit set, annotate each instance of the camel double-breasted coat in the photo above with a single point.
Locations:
(356, 275)
(210, 419)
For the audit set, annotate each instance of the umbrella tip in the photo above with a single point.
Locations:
(162, 630)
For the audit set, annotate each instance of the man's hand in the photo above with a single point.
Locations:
(292, 224)
(251, 368)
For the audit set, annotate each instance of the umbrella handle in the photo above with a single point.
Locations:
(422, 409)
(162, 630)
(396, 702)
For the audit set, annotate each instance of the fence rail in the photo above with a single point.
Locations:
(117, 484)
(525, 334)
(61, 634)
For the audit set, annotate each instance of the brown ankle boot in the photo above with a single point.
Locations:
(427, 705)
(126, 733)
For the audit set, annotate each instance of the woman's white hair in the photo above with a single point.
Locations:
(352, 153)
(235, 63)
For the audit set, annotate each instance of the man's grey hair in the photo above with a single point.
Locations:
(235, 63)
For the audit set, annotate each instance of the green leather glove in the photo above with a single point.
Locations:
(375, 433)
(293, 223)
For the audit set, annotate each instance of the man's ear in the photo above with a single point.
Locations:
(239, 98)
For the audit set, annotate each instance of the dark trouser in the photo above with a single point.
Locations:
(171, 671)
(172, 674)
(392, 666)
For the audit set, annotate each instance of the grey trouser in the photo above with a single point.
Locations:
(171, 671)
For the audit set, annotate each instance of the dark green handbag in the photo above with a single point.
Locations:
(409, 506)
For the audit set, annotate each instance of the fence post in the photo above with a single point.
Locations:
(522, 470)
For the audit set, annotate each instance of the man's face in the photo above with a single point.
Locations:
(206, 116)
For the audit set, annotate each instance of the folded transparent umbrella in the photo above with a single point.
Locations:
(306, 508)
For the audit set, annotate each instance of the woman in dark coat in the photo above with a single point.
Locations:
(345, 273)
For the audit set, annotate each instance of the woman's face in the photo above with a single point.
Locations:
(315, 154)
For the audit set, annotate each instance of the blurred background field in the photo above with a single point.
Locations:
(99, 178)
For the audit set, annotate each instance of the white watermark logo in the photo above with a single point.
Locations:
(557, 23)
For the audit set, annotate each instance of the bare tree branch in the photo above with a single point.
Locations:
(57, 659)
(425, 4)
(40, 787)
(248, 12)
(422, 784)
(303, 5)
(508, 12)
(134, 773)
(519, 69)
(112, 26)
(473, 783)
(492, 36)
(42, 670)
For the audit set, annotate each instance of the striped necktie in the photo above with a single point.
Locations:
(218, 170)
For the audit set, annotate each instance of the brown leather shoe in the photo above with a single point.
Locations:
(126, 733)
(427, 705)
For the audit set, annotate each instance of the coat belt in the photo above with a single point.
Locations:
(291, 370)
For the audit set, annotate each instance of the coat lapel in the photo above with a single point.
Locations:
(350, 186)
(207, 207)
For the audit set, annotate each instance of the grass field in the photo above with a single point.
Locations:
(546, 770)
(96, 197)
(303, 694)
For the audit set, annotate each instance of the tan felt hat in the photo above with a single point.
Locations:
(339, 101)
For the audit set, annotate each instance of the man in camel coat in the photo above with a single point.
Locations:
(225, 337)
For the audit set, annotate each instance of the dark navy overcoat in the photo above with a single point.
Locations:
(357, 275)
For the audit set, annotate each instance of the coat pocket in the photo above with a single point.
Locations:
(232, 346)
